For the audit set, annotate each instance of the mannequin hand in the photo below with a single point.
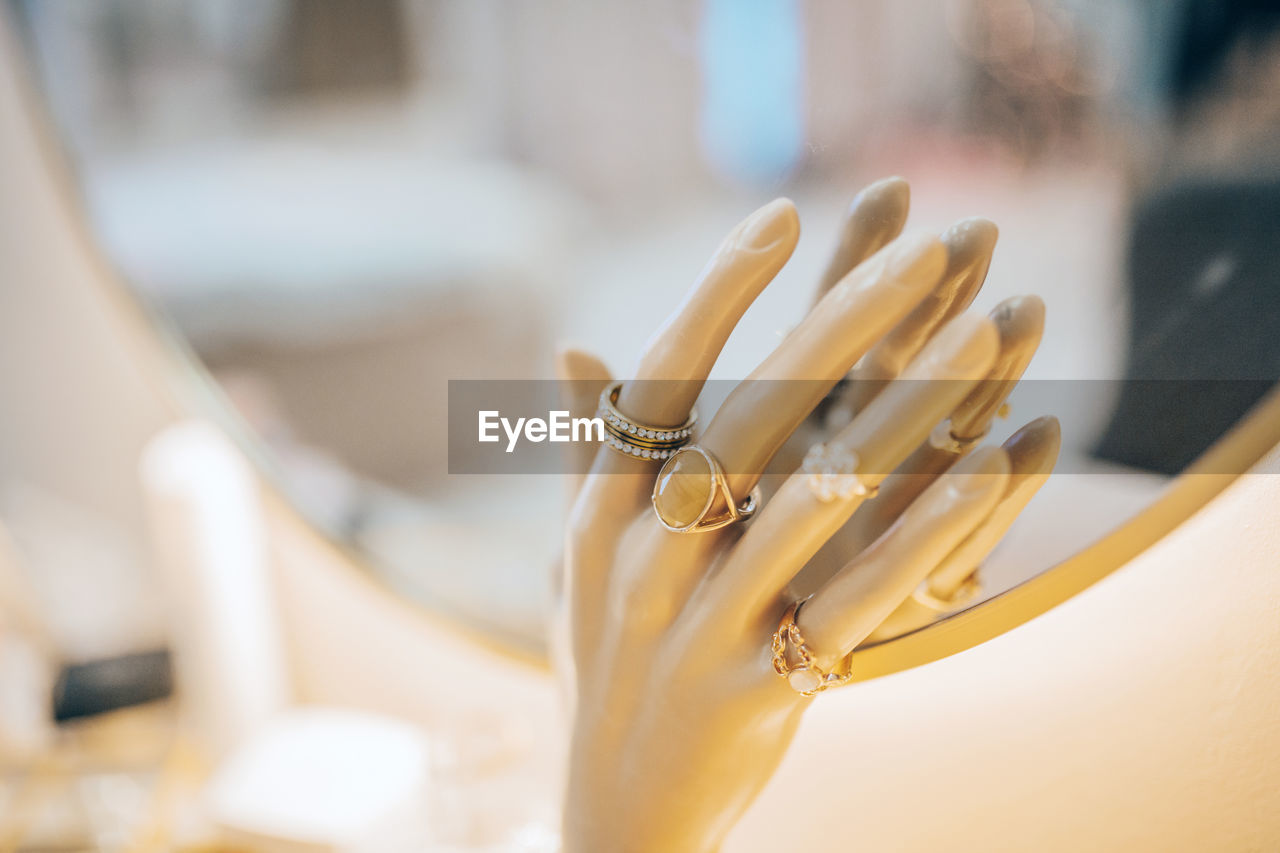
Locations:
(679, 717)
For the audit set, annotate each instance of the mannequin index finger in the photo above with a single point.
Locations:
(683, 350)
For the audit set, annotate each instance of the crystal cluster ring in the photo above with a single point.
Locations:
(804, 677)
(642, 441)
(832, 471)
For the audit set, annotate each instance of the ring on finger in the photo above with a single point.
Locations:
(691, 483)
(804, 677)
(964, 595)
(942, 438)
(832, 471)
(632, 438)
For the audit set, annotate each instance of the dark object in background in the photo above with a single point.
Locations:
(97, 687)
(1204, 273)
(1208, 31)
(331, 47)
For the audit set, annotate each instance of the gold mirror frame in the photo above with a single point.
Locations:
(164, 361)
(1236, 451)
(183, 383)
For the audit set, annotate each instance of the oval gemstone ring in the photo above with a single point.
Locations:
(692, 494)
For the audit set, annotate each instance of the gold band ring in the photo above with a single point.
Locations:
(964, 595)
(805, 677)
(690, 484)
(942, 438)
(631, 438)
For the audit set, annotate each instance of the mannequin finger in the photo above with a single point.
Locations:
(1032, 451)
(760, 413)
(873, 584)
(875, 217)
(683, 350)
(795, 523)
(1020, 324)
(581, 377)
(970, 244)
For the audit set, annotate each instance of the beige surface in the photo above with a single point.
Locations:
(1141, 715)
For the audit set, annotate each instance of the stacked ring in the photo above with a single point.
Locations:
(631, 438)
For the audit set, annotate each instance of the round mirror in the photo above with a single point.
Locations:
(341, 207)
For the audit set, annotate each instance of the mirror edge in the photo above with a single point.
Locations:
(171, 370)
(1256, 434)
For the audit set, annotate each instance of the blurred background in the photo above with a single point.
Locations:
(336, 206)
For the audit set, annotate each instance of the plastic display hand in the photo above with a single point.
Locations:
(685, 693)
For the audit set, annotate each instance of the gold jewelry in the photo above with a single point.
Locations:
(806, 678)
(631, 438)
(942, 438)
(833, 473)
(691, 482)
(964, 594)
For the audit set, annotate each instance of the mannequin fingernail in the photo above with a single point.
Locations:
(970, 244)
(975, 235)
(1034, 448)
(892, 192)
(1019, 317)
(769, 226)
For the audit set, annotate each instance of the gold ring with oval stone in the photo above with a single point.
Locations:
(690, 484)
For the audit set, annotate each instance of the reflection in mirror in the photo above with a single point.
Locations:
(343, 206)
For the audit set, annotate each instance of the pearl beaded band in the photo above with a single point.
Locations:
(636, 439)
